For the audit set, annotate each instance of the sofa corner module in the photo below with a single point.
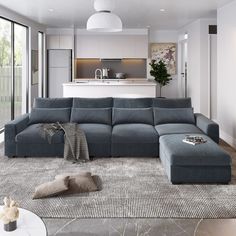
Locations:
(12, 128)
(209, 127)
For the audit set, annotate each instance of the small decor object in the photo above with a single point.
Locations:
(194, 140)
(10, 214)
(160, 74)
(167, 53)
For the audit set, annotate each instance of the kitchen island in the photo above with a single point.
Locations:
(92, 88)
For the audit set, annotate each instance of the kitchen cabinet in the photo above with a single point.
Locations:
(111, 46)
(60, 41)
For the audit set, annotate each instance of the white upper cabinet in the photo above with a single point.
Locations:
(111, 46)
(60, 41)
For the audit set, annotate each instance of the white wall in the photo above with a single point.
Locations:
(227, 72)
(34, 27)
(165, 36)
(198, 66)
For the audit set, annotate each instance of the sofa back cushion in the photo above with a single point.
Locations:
(172, 103)
(53, 102)
(91, 115)
(132, 102)
(132, 115)
(49, 115)
(175, 115)
(92, 102)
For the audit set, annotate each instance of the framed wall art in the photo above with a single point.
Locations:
(167, 53)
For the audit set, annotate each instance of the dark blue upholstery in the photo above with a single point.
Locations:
(132, 115)
(92, 102)
(49, 115)
(166, 129)
(208, 126)
(133, 133)
(134, 140)
(132, 102)
(99, 139)
(32, 135)
(53, 102)
(172, 102)
(91, 115)
(186, 163)
(13, 128)
(173, 115)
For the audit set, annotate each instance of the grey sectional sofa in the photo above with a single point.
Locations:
(113, 126)
(127, 127)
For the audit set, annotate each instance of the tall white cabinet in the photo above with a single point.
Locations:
(60, 42)
(59, 70)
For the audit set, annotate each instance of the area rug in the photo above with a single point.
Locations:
(131, 187)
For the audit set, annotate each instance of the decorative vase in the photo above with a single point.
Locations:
(10, 226)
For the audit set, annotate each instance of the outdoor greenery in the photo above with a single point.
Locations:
(160, 74)
(5, 43)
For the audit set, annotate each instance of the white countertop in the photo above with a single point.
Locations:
(112, 82)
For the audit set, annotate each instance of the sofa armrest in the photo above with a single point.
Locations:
(12, 128)
(209, 127)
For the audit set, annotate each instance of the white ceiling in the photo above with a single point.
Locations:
(134, 13)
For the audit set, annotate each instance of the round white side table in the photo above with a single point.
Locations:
(28, 224)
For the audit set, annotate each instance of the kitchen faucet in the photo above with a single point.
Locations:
(98, 76)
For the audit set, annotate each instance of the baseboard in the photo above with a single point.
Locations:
(228, 139)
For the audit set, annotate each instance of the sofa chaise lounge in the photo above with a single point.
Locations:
(113, 127)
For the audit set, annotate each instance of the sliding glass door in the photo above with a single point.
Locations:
(13, 70)
(20, 70)
(5, 71)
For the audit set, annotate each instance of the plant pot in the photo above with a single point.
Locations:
(10, 226)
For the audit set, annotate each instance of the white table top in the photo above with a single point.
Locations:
(28, 224)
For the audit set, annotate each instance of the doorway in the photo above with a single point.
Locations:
(183, 84)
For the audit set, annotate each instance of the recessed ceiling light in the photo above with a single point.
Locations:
(162, 10)
(50, 9)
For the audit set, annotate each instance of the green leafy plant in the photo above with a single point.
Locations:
(160, 74)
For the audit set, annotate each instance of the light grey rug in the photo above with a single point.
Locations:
(132, 187)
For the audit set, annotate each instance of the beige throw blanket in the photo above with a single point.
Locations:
(75, 146)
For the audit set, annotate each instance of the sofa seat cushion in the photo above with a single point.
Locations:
(178, 153)
(166, 129)
(97, 133)
(32, 135)
(134, 133)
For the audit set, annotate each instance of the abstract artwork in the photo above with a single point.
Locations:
(167, 53)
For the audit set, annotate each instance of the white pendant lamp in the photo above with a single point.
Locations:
(103, 20)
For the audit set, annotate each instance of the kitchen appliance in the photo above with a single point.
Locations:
(120, 75)
(105, 73)
(59, 71)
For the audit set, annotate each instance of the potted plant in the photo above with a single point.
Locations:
(160, 74)
(10, 214)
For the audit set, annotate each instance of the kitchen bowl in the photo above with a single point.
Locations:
(120, 75)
